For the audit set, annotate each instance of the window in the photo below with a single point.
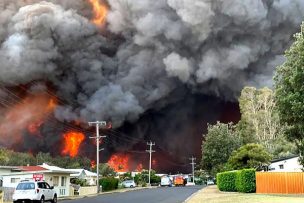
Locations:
(281, 166)
(63, 181)
(47, 186)
(41, 185)
(25, 186)
(55, 180)
(15, 180)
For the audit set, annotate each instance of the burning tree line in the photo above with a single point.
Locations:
(11, 158)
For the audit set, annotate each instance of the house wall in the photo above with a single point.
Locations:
(289, 165)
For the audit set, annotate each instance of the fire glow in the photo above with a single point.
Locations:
(29, 113)
(72, 141)
(119, 162)
(100, 12)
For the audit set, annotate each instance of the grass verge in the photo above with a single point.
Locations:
(212, 195)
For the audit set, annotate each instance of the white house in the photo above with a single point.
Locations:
(288, 164)
(5, 170)
(90, 177)
(55, 176)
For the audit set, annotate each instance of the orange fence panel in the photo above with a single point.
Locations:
(280, 182)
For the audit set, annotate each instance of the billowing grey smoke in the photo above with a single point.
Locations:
(213, 47)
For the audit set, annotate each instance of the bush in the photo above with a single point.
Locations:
(80, 182)
(108, 184)
(245, 181)
(240, 181)
(226, 181)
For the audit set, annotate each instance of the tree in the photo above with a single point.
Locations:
(4, 158)
(106, 170)
(259, 116)
(250, 156)
(289, 92)
(220, 142)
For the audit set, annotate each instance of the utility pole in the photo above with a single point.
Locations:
(98, 124)
(193, 164)
(150, 151)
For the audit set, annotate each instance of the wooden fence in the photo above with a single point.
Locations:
(280, 182)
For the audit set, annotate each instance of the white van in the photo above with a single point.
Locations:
(165, 181)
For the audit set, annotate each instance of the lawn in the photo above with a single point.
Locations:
(212, 195)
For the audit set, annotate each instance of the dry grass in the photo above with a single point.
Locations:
(212, 195)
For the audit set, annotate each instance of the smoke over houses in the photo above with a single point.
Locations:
(156, 70)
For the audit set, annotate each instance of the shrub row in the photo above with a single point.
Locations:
(108, 184)
(237, 181)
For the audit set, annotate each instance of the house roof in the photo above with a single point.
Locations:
(78, 172)
(284, 158)
(32, 168)
(8, 167)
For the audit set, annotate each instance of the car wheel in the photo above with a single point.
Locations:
(54, 199)
(42, 200)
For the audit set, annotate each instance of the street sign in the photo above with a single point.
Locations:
(38, 177)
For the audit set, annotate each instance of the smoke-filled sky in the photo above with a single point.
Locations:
(145, 52)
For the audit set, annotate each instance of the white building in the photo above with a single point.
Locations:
(55, 176)
(90, 177)
(289, 164)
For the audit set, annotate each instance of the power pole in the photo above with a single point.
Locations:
(193, 164)
(150, 151)
(98, 124)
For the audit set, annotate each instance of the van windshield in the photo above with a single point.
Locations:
(25, 186)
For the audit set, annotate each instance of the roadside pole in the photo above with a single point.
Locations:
(193, 164)
(98, 124)
(150, 151)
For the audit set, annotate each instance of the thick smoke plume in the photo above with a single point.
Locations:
(145, 52)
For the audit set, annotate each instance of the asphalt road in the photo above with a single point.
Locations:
(155, 195)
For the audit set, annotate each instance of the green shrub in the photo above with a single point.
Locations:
(80, 182)
(108, 183)
(226, 181)
(245, 181)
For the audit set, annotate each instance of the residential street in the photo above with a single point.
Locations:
(156, 195)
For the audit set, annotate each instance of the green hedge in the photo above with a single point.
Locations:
(245, 181)
(108, 184)
(237, 181)
(226, 181)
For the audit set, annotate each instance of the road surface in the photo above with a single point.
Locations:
(155, 195)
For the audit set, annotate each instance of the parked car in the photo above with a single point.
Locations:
(34, 191)
(128, 183)
(210, 182)
(165, 181)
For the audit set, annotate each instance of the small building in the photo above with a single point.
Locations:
(55, 176)
(90, 177)
(5, 170)
(288, 164)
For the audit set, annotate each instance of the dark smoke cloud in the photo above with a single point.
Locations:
(212, 47)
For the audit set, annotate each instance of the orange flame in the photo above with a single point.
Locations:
(73, 141)
(119, 162)
(139, 167)
(100, 12)
(93, 164)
